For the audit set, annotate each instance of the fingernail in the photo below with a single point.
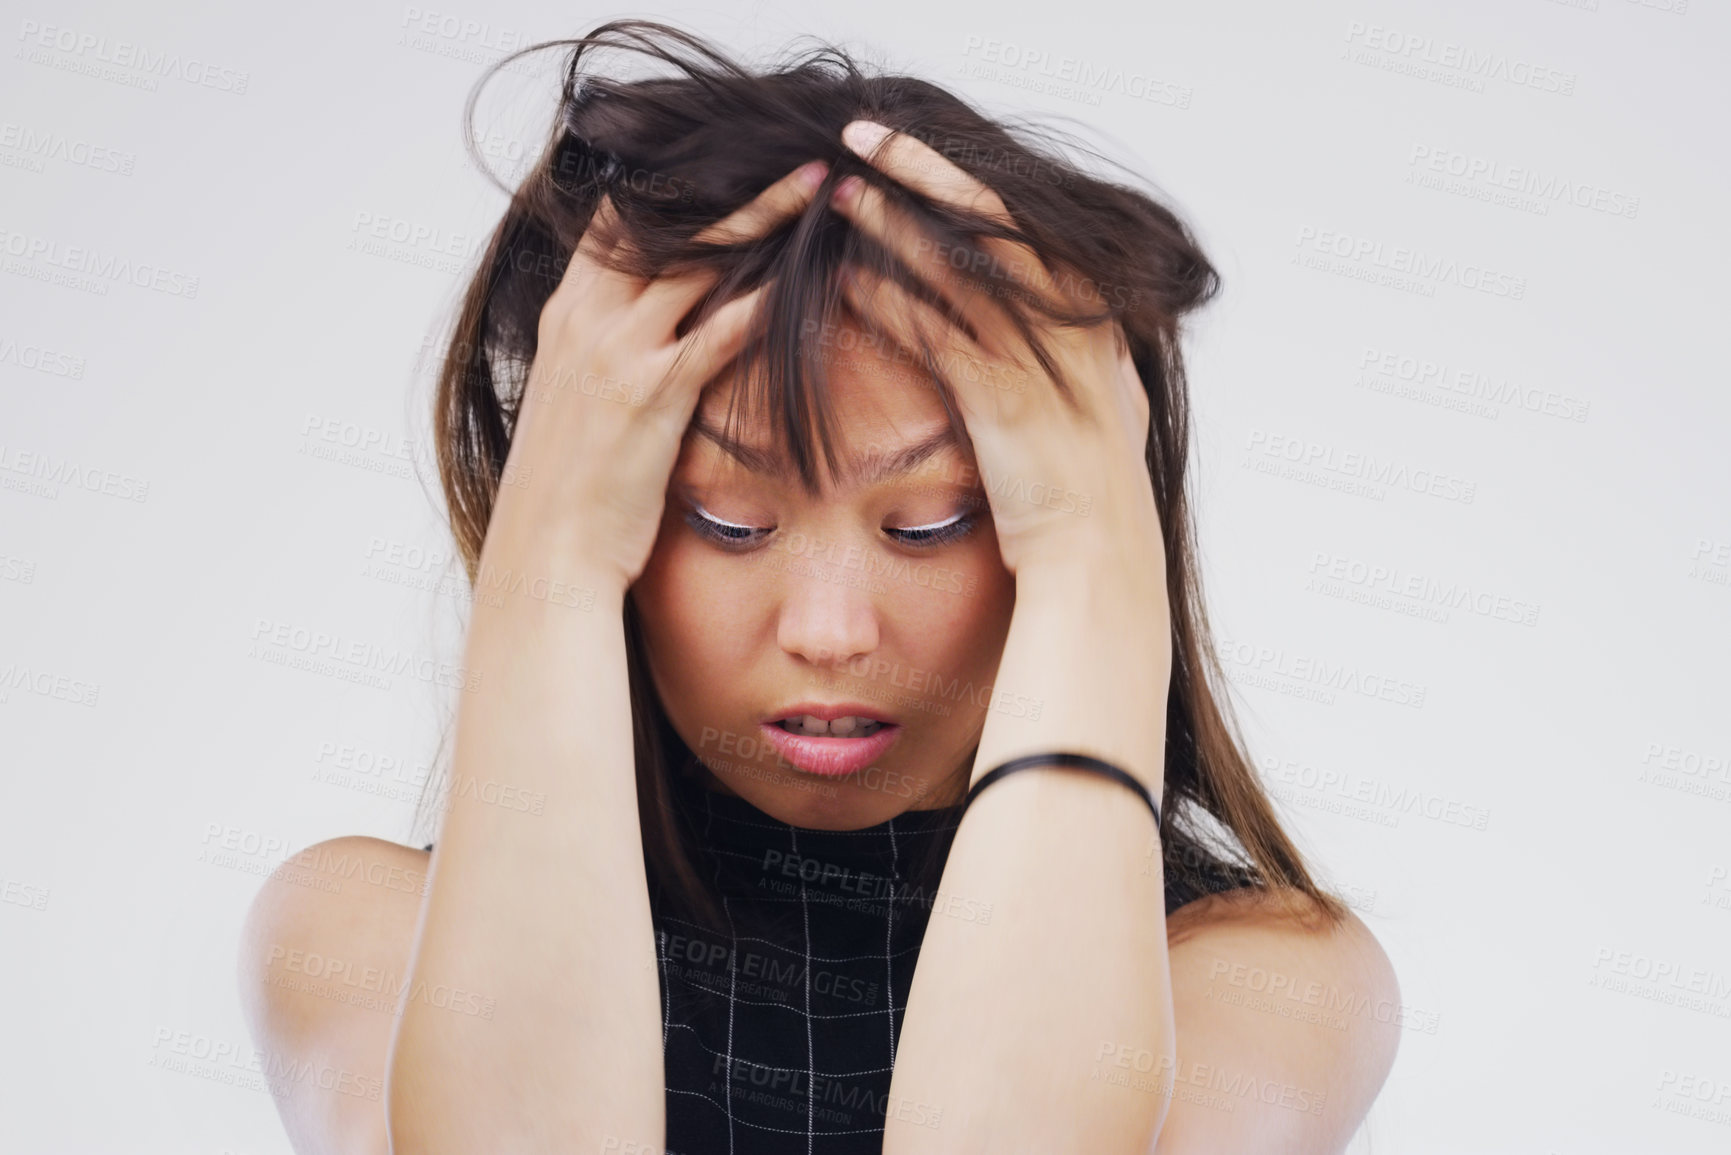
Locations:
(845, 190)
(811, 175)
(863, 135)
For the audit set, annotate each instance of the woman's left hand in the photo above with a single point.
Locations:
(1068, 484)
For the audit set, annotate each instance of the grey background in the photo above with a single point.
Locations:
(1538, 836)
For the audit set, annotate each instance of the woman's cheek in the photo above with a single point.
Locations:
(963, 613)
(721, 613)
(675, 597)
(687, 635)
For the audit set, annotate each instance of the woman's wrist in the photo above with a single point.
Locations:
(1086, 668)
(539, 555)
(1122, 575)
(1113, 590)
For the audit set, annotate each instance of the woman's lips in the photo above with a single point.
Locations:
(832, 757)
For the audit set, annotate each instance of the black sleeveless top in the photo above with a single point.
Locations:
(779, 1033)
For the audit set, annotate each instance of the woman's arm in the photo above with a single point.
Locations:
(1013, 1025)
(1068, 1022)
(1055, 1025)
(545, 917)
(1008, 1021)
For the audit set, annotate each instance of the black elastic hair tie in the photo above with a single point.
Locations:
(1079, 761)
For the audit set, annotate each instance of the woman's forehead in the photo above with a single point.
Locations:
(860, 389)
(873, 445)
(870, 450)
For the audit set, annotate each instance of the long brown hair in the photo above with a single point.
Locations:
(675, 153)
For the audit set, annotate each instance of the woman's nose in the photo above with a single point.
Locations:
(826, 617)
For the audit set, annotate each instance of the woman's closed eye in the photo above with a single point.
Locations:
(950, 529)
(731, 535)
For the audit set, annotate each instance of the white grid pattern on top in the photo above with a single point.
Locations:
(768, 1039)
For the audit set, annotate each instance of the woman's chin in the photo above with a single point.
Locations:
(815, 802)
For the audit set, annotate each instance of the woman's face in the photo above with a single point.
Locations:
(884, 596)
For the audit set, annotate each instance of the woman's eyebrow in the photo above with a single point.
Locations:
(864, 469)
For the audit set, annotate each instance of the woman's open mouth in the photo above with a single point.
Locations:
(851, 726)
(834, 749)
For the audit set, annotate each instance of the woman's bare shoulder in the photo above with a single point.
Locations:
(1253, 906)
(1269, 994)
(1266, 926)
(323, 954)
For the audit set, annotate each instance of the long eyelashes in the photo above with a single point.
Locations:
(723, 533)
(729, 535)
(955, 528)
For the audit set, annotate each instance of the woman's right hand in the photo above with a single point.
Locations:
(612, 390)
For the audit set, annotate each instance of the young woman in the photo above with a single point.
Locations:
(816, 446)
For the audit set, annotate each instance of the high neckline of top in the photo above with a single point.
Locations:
(731, 819)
